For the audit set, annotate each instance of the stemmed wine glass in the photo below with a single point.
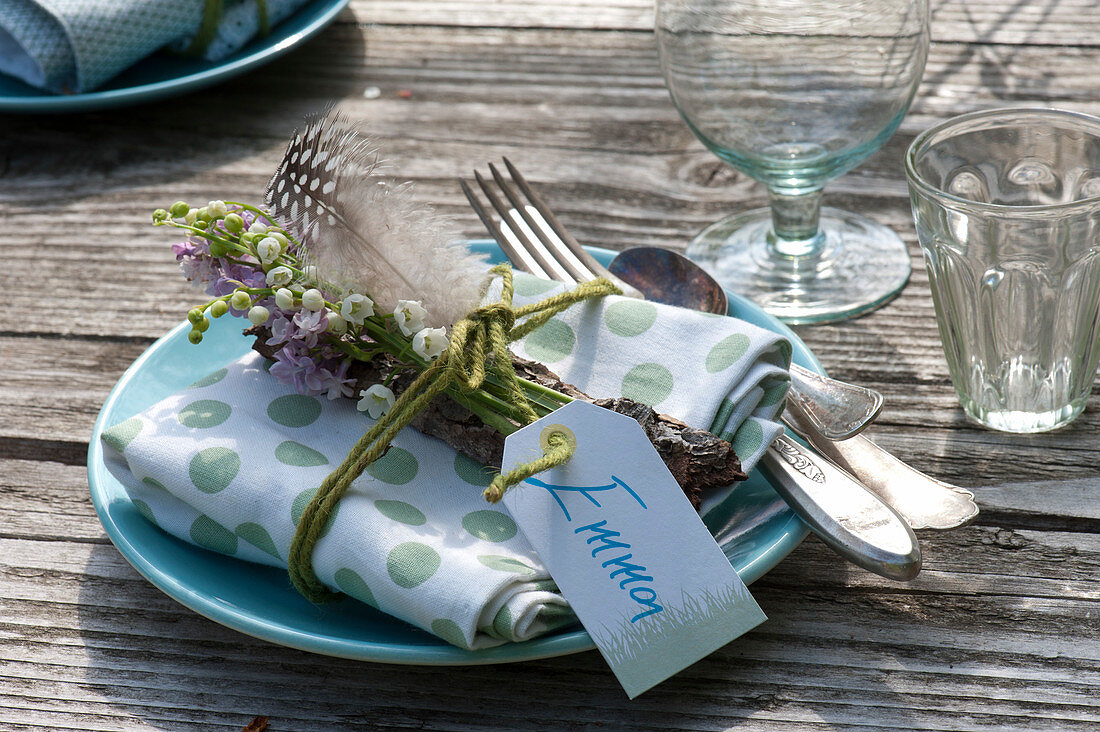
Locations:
(794, 93)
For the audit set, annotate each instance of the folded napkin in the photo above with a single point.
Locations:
(230, 463)
(76, 45)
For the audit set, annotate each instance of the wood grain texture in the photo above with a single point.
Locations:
(1001, 631)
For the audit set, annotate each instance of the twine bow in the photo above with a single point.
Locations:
(478, 346)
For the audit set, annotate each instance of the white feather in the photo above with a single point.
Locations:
(363, 231)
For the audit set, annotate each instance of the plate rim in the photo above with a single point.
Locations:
(253, 624)
(266, 50)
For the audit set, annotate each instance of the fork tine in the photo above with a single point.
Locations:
(568, 270)
(514, 254)
(584, 259)
(530, 255)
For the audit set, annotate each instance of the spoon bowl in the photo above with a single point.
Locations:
(670, 278)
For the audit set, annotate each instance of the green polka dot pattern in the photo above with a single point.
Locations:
(648, 383)
(213, 469)
(294, 410)
(412, 564)
(449, 631)
(504, 564)
(146, 512)
(472, 471)
(258, 537)
(397, 467)
(749, 438)
(204, 414)
(727, 352)
(629, 318)
(298, 455)
(122, 433)
(556, 616)
(774, 393)
(552, 342)
(351, 584)
(210, 379)
(527, 286)
(298, 506)
(488, 525)
(401, 512)
(502, 623)
(208, 533)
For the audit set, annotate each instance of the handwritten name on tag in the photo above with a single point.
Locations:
(626, 548)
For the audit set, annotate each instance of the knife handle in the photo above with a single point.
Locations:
(847, 516)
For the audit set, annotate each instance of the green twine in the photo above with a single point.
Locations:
(478, 345)
(212, 17)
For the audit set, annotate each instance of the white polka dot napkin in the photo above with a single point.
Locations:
(230, 463)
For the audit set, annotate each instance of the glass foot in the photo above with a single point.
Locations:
(859, 266)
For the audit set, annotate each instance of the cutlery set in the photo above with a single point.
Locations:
(861, 500)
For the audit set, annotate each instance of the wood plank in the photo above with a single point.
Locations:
(88, 644)
(1050, 22)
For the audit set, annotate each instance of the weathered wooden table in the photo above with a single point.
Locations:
(1000, 631)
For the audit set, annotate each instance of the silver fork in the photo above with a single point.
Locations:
(534, 241)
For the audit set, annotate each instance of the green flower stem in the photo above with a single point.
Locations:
(253, 209)
(540, 404)
(490, 417)
(205, 234)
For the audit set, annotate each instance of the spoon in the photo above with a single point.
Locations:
(837, 410)
(843, 409)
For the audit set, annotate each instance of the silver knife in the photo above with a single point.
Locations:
(847, 516)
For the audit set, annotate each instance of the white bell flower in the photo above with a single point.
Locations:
(376, 400)
(312, 299)
(269, 249)
(355, 308)
(409, 315)
(430, 342)
(279, 276)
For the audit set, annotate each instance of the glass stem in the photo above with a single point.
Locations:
(795, 217)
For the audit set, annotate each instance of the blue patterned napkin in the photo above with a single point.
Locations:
(230, 463)
(76, 45)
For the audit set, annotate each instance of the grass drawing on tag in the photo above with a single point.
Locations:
(675, 632)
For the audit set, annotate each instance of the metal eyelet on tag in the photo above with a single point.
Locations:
(544, 436)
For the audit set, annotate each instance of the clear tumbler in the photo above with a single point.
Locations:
(1007, 209)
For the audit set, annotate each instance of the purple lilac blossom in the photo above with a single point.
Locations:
(310, 326)
(312, 366)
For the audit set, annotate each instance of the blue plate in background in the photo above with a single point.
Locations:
(164, 75)
(755, 528)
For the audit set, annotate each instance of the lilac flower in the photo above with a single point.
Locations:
(297, 370)
(282, 329)
(310, 324)
(336, 383)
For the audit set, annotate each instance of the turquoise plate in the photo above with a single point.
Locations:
(754, 526)
(164, 75)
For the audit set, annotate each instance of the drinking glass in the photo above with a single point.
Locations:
(794, 93)
(1007, 208)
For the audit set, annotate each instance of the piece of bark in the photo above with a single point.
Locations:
(697, 459)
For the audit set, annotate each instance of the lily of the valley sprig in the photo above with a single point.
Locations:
(254, 269)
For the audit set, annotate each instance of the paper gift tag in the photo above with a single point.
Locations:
(626, 548)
